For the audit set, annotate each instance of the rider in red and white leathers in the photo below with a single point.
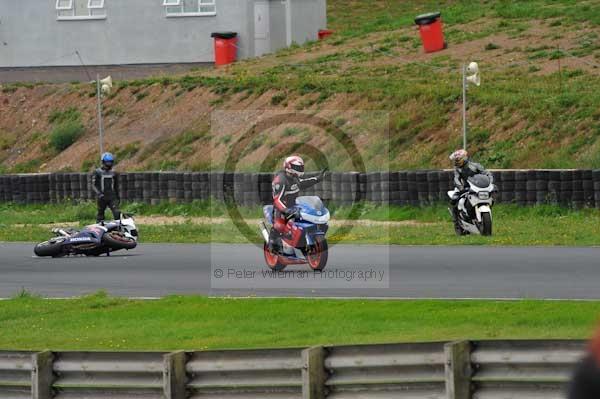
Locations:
(287, 184)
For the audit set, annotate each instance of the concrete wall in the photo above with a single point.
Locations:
(137, 32)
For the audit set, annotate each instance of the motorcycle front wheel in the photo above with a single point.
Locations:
(52, 247)
(272, 259)
(318, 254)
(486, 224)
(116, 240)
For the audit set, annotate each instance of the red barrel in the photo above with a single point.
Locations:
(325, 33)
(225, 47)
(432, 34)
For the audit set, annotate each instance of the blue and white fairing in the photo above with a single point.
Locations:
(312, 210)
(89, 235)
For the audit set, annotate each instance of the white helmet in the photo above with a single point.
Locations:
(294, 165)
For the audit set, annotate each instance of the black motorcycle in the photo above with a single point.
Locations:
(93, 240)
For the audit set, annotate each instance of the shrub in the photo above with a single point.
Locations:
(65, 134)
(68, 115)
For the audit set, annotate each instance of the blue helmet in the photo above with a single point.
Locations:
(107, 159)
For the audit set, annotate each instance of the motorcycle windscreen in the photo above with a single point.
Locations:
(312, 202)
(481, 181)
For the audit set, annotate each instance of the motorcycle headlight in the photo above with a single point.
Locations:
(484, 195)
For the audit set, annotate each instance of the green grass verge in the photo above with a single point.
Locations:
(513, 225)
(100, 322)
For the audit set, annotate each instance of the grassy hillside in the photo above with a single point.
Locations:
(538, 105)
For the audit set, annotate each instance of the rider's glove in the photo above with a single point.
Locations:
(100, 196)
(292, 213)
(322, 173)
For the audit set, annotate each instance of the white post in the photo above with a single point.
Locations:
(100, 128)
(464, 105)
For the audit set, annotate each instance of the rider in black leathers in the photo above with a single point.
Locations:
(105, 183)
(464, 168)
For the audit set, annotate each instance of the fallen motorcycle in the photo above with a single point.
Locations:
(93, 240)
(311, 248)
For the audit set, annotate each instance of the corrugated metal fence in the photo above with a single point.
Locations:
(525, 187)
(455, 370)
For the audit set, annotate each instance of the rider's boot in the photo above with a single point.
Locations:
(275, 241)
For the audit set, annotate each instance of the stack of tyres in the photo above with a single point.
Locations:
(123, 184)
(422, 187)
(385, 187)
(29, 181)
(541, 186)
(130, 186)
(145, 191)
(394, 188)
(507, 189)
(433, 186)
(350, 188)
(362, 187)
(216, 185)
(336, 187)
(530, 186)
(3, 188)
(171, 186)
(498, 183)
(566, 187)
(265, 187)
(554, 187)
(84, 184)
(374, 187)
(521, 187)
(327, 185)
(200, 187)
(577, 199)
(52, 188)
(403, 188)
(187, 187)
(75, 186)
(596, 182)
(413, 195)
(179, 194)
(227, 188)
(163, 187)
(588, 187)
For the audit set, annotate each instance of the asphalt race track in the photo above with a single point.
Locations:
(353, 271)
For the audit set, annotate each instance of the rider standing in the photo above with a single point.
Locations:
(286, 187)
(105, 184)
(463, 169)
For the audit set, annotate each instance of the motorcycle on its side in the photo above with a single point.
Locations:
(475, 206)
(309, 245)
(93, 240)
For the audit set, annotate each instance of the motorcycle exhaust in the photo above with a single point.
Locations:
(263, 230)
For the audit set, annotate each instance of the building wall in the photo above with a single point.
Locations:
(139, 32)
(134, 32)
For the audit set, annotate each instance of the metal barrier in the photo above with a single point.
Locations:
(576, 188)
(454, 370)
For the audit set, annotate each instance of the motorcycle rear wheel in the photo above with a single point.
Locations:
(272, 259)
(116, 240)
(52, 247)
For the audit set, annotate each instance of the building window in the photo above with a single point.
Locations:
(80, 9)
(190, 8)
